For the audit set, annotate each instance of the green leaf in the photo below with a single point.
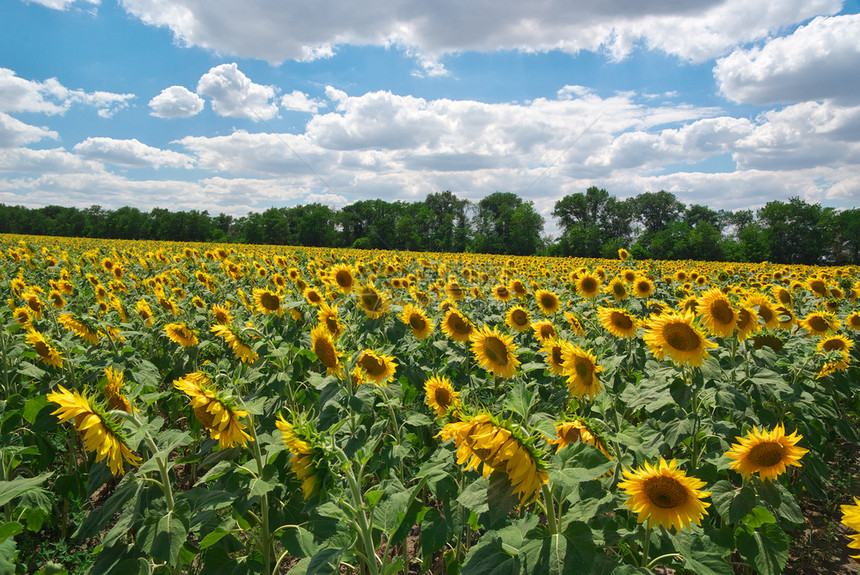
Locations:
(766, 548)
(434, 532)
(9, 490)
(577, 463)
(10, 529)
(33, 406)
(758, 517)
(51, 568)
(8, 552)
(326, 561)
(732, 504)
(213, 538)
(705, 558)
(98, 519)
(163, 537)
(500, 552)
(299, 541)
(217, 471)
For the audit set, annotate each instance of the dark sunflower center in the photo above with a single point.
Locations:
(621, 321)
(766, 454)
(744, 319)
(817, 286)
(343, 279)
(270, 301)
(681, 337)
(572, 435)
(557, 358)
(519, 317)
(42, 348)
(547, 331)
(589, 285)
(548, 302)
(496, 351)
(583, 369)
(417, 322)
(665, 492)
(722, 312)
(442, 397)
(818, 323)
(618, 288)
(370, 299)
(314, 297)
(456, 323)
(833, 345)
(784, 297)
(371, 365)
(325, 352)
(502, 292)
(766, 313)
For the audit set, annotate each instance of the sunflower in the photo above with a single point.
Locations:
(305, 459)
(375, 367)
(440, 395)
(144, 311)
(313, 296)
(343, 277)
(718, 315)
(113, 391)
(820, 322)
(544, 330)
(518, 288)
(457, 326)
(181, 334)
(222, 314)
(417, 320)
(57, 299)
(851, 519)
(495, 352)
(852, 320)
(766, 452)
(587, 285)
(547, 301)
(323, 346)
(617, 288)
(372, 301)
(617, 321)
(623, 254)
(768, 340)
(48, 354)
(240, 346)
(581, 369)
(673, 334)
(496, 446)
(838, 343)
(502, 293)
(100, 433)
(766, 312)
(643, 287)
(34, 302)
(556, 350)
(267, 302)
(215, 410)
(79, 327)
(328, 316)
(575, 323)
(577, 431)
(517, 318)
(817, 286)
(747, 323)
(23, 316)
(664, 495)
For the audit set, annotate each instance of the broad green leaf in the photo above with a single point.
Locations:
(34, 406)
(9, 490)
(434, 532)
(758, 517)
(162, 537)
(766, 548)
(298, 541)
(97, 519)
(732, 504)
(10, 529)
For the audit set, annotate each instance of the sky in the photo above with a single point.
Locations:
(241, 105)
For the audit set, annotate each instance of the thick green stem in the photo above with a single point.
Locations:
(365, 535)
(551, 520)
(265, 536)
(646, 544)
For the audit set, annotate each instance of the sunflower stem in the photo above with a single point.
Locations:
(265, 536)
(549, 504)
(646, 543)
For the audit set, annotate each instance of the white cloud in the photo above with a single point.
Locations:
(278, 31)
(131, 153)
(62, 4)
(51, 161)
(235, 95)
(176, 102)
(51, 97)
(14, 132)
(300, 102)
(818, 61)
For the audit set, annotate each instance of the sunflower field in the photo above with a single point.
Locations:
(210, 408)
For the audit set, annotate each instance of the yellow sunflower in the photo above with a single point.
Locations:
(617, 322)
(323, 346)
(48, 354)
(457, 326)
(181, 334)
(544, 330)
(617, 289)
(575, 323)
(113, 391)
(100, 433)
(240, 346)
(747, 323)
(343, 277)
(673, 334)
(517, 318)
(581, 369)
(376, 367)
(372, 301)
(643, 287)
(664, 495)
(495, 352)
(547, 301)
(328, 316)
(440, 395)
(144, 311)
(852, 320)
(502, 293)
(417, 321)
(222, 314)
(483, 442)
(820, 322)
(851, 519)
(838, 343)
(214, 410)
(587, 285)
(518, 288)
(718, 315)
(766, 312)
(303, 457)
(23, 316)
(623, 255)
(267, 302)
(766, 452)
(556, 351)
(79, 328)
(313, 296)
(577, 431)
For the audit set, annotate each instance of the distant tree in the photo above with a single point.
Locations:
(796, 232)
(505, 224)
(592, 223)
(448, 222)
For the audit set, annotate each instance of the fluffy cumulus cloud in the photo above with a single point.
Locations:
(130, 153)
(14, 132)
(818, 61)
(235, 95)
(176, 102)
(300, 102)
(278, 31)
(51, 97)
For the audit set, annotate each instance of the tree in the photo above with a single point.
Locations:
(505, 224)
(448, 222)
(592, 222)
(796, 232)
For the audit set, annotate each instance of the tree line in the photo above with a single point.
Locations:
(592, 224)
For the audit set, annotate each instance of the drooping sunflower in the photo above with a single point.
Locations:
(588, 285)
(267, 302)
(143, 310)
(181, 334)
(581, 369)
(376, 367)
(492, 445)
(34, 302)
(323, 346)
(343, 277)
(372, 301)
(240, 346)
(57, 299)
(544, 330)
(495, 352)
(851, 519)
(304, 460)
(556, 351)
(48, 354)
(113, 390)
(547, 301)
(518, 318)
(820, 322)
(100, 433)
(79, 327)
(214, 409)
(817, 285)
(664, 495)
(457, 326)
(440, 395)
(417, 321)
(575, 323)
(718, 315)
(674, 334)
(577, 431)
(222, 314)
(766, 452)
(617, 321)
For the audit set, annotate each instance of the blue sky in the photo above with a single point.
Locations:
(236, 106)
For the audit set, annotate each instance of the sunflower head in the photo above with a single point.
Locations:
(578, 430)
(214, 409)
(544, 330)
(372, 301)
(440, 395)
(664, 495)
(181, 334)
(323, 346)
(581, 369)
(495, 352)
(457, 326)
(718, 315)
(48, 354)
(375, 367)
(588, 285)
(547, 301)
(675, 335)
(617, 322)
(307, 456)
(417, 320)
(767, 453)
